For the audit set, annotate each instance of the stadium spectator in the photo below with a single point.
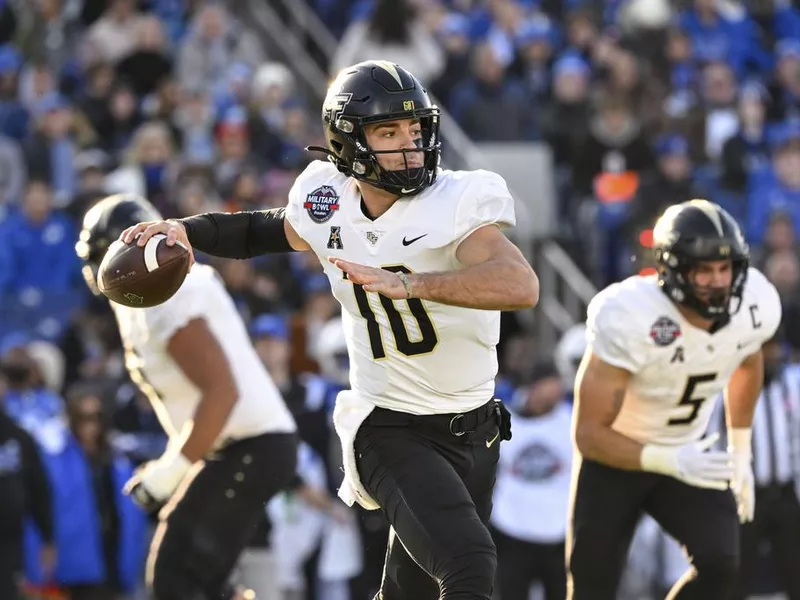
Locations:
(100, 533)
(148, 64)
(476, 102)
(534, 470)
(113, 36)
(776, 188)
(36, 257)
(26, 493)
(392, 32)
(214, 41)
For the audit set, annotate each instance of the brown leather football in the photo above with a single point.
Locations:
(145, 276)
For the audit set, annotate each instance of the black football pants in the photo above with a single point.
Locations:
(208, 523)
(433, 477)
(522, 563)
(777, 520)
(605, 510)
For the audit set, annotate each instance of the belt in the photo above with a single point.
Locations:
(456, 424)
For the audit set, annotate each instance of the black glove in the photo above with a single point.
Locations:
(503, 420)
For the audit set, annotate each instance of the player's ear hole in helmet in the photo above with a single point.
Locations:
(378, 92)
(102, 225)
(689, 236)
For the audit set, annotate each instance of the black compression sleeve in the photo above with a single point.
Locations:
(238, 235)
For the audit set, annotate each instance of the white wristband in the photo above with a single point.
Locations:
(659, 459)
(740, 440)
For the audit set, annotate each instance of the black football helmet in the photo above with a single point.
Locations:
(103, 224)
(693, 232)
(371, 92)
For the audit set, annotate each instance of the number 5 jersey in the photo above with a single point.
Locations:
(411, 355)
(678, 369)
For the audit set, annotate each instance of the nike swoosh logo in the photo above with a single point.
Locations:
(493, 440)
(409, 242)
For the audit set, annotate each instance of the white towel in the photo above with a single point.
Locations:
(349, 413)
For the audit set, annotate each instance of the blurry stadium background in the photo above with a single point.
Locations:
(599, 113)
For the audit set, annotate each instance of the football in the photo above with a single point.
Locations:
(144, 276)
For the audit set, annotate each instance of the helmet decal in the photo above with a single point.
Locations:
(711, 212)
(391, 69)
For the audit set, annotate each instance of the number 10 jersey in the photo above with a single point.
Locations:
(413, 356)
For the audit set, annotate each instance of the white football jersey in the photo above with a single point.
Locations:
(412, 355)
(146, 333)
(678, 369)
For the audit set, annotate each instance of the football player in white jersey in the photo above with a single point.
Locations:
(416, 257)
(232, 443)
(660, 347)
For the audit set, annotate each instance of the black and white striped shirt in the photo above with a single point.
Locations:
(776, 429)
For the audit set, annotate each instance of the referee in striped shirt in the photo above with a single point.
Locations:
(776, 443)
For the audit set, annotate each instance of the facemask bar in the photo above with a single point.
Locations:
(404, 182)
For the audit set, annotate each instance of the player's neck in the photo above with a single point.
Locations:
(375, 200)
(696, 320)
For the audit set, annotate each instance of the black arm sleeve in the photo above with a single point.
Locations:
(238, 235)
(38, 488)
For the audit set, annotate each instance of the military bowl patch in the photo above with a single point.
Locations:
(322, 203)
(665, 331)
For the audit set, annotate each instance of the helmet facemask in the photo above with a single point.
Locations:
(355, 158)
(91, 253)
(714, 303)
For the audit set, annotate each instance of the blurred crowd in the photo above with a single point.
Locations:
(644, 103)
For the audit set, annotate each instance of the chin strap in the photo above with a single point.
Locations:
(331, 157)
(320, 149)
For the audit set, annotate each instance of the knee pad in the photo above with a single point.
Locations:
(469, 576)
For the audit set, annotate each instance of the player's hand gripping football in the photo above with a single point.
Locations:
(743, 482)
(153, 484)
(373, 279)
(175, 232)
(692, 463)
